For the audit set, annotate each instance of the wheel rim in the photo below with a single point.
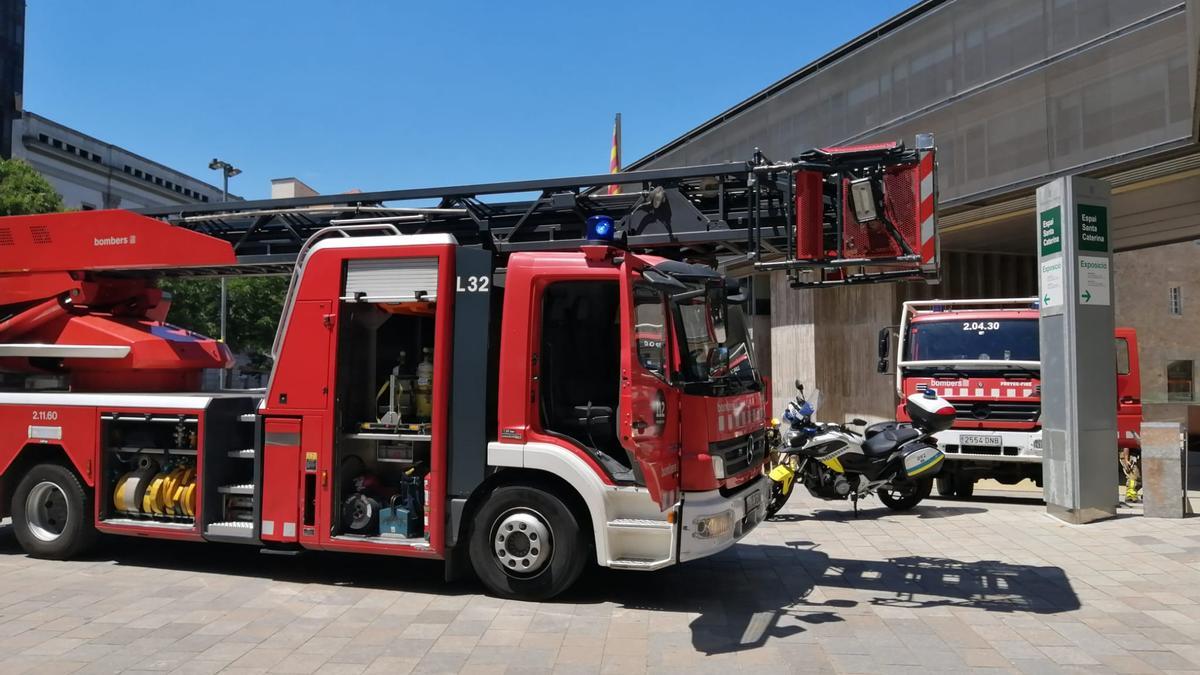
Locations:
(47, 511)
(521, 543)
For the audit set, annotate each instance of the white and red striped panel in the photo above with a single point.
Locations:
(927, 216)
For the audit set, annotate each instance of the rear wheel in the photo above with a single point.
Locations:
(527, 544)
(964, 487)
(945, 486)
(906, 495)
(52, 513)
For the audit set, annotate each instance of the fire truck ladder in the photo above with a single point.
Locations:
(831, 216)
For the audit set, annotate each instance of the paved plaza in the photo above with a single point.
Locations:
(991, 584)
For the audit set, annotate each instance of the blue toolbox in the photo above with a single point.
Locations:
(404, 516)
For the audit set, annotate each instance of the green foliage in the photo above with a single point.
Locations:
(23, 191)
(255, 304)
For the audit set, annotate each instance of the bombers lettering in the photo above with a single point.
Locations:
(114, 241)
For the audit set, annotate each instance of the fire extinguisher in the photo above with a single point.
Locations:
(426, 509)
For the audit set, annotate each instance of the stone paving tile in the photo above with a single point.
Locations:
(954, 586)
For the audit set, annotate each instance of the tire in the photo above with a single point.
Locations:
(907, 496)
(778, 498)
(945, 486)
(521, 521)
(964, 487)
(52, 513)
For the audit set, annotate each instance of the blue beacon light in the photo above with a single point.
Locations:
(600, 228)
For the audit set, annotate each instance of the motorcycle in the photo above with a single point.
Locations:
(895, 461)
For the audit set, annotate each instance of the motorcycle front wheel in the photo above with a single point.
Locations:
(906, 495)
(778, 498)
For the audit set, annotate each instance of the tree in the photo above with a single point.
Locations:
(255, 304)
(23, 191)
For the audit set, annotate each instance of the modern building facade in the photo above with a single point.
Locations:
(1016, 92)
(92, 174)
(12, 69)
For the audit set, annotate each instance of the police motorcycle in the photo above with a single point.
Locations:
(896, 461)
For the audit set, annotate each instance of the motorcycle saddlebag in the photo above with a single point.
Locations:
(921, 461)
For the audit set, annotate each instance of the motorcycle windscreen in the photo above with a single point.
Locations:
(649, 415)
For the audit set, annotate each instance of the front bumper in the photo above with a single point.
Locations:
(711, 522)
(1015, 446)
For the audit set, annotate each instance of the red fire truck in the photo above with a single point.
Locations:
(983, 356)
(521, 386)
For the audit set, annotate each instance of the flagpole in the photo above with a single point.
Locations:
(614, 160)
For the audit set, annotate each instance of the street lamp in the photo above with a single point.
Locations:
(227, 171)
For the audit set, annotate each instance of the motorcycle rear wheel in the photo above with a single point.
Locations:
(907, 495)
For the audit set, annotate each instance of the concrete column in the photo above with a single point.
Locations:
(793, 341)
(826, 339)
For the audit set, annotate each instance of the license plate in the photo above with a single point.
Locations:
(753, 501)
(985, 441)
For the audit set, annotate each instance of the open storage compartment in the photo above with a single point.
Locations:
(384, 403)
(149, 469)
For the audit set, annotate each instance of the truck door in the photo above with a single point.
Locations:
(649, 413)
(1129, 390)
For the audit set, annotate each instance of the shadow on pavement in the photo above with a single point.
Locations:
(753, 593)
(742, 598)
(847, 514)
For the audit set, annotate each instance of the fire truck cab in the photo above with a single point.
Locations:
(983, 356)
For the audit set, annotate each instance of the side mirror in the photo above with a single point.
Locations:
(718, 361)
(799, 387)
(858, 422)
(884, 348)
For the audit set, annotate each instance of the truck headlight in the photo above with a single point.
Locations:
(718, 464)
(713, 527)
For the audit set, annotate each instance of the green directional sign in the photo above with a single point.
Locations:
(1093, 228)
(1050, 228)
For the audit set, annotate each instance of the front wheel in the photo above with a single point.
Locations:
(906, 495)
(778, 497)
(52, 514)
(527, 544)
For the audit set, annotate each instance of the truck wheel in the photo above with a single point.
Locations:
(52, 513)
(906, 495)
(945, 486)
(964, 487)
(526, 544)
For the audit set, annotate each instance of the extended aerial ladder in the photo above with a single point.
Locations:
(831, 216)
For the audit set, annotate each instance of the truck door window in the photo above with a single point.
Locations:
(650, 329)
(580, 365)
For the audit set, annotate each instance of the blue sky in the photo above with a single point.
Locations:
(380, 95)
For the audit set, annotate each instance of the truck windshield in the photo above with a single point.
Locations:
(707, 323)
(976, 340)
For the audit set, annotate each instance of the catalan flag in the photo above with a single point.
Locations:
(614, 158)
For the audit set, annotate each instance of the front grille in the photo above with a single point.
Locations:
(996, 411)
(741, 453)
(1006, 451)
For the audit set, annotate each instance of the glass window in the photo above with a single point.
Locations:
(1179, 380)
(982, 340)
(1122, 356)
(650, 329)
(1175, 301)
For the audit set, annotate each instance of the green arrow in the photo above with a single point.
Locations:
(1087, 295)
(1046, 299)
